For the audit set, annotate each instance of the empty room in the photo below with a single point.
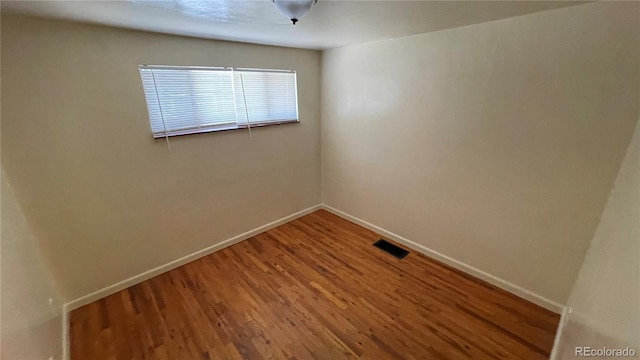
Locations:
(319, 179)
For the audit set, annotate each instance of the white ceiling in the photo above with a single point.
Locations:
(329, 24)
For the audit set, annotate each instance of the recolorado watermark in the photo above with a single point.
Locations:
(603, 352)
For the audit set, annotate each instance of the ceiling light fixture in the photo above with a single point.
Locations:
(294, 9)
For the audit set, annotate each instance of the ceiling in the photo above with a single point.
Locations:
(329, 24)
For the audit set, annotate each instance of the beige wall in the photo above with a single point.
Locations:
(31, 327)
(605, 301)
(30, 306)
(494, 144)
(106, 199)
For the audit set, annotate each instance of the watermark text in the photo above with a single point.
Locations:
(603, 352)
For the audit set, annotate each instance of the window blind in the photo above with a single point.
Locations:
(186, 100)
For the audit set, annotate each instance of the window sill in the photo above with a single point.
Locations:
(220, 129)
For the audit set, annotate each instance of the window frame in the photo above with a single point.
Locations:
(221, 127)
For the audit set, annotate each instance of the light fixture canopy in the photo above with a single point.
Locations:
(294, 9)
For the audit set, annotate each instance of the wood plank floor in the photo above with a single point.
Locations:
(314, 288)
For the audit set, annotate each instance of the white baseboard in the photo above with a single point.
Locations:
(503, 284)
(566, 312)
(111, 289)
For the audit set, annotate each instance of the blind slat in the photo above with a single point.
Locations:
(182, 99)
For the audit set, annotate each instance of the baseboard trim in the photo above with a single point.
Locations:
(111, 289)
(494, 280)
(566, 312)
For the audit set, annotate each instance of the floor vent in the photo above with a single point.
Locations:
(391, 249)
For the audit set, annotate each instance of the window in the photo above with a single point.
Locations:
(187, 100)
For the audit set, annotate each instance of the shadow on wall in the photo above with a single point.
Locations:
(31, 306)
(605, 300)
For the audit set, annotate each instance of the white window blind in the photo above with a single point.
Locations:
(186, 100)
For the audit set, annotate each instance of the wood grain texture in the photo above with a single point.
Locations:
(314, 288)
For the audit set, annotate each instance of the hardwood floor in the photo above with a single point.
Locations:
(314, 288)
